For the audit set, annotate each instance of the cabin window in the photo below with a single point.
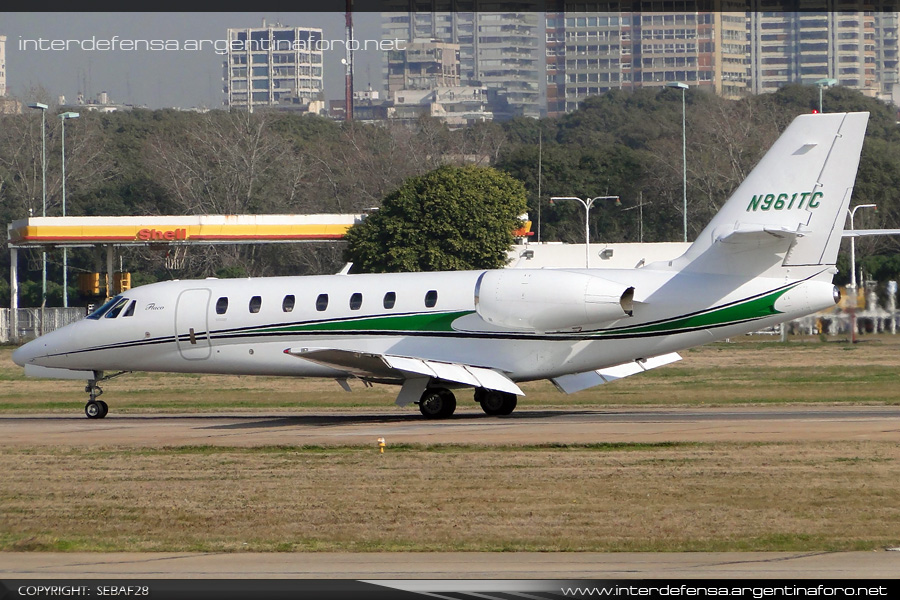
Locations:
(116, 308)
(287, 305)
(431, 298)
(355, 301)
(130, 311)
(103, 308)
(322, 302)
(255, 304)
(221, 305)
(389, 300)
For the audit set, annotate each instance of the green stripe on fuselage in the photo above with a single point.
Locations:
(417, 322)
(750, 309)
(755, 308)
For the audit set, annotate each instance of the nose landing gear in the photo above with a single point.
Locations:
(95, 409)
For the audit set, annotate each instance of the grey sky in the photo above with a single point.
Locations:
(160, 78)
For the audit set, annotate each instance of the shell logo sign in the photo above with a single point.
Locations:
(150, 235)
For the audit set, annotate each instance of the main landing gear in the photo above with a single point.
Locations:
(495, 403)
(437, 403)
(440, 403)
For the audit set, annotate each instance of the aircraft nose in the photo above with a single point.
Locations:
(27, 353)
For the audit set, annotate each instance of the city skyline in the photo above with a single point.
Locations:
(157, 76)
(164, 60)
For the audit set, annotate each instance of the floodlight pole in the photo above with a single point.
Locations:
(683, 87)
(822, 84)
(63, 117)
(587, 213)
(43, 108)
(852, 212)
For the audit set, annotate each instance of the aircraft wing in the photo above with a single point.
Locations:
(582, 381)
(416, 371)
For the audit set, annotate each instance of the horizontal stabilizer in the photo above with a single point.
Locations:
(373, 365)
(582, 381)
(868, 232)
(54, 373)
(745, 234)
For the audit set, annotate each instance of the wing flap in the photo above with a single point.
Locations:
(361, 364)
(364, 364)
(577, 382)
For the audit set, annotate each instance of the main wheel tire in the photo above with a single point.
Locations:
(496, 403)
(104, 408)
(437, 403)
(93, 410)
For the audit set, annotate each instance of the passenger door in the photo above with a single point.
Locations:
(192, 324)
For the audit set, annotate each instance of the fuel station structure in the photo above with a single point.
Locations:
(172, 233)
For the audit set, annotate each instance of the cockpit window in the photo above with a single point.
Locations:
(130, 310)
(116, 309)
(105, 307)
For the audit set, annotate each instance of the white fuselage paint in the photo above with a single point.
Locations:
(230, 343)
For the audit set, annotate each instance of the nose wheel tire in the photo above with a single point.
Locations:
(496, 403)
(437, 403)
(96, 409)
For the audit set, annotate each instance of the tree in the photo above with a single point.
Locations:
(452, 218)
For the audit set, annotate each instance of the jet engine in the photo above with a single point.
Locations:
(550, 300)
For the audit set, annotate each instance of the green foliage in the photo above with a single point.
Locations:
(449, 219)
(232, 272)
(625, 143)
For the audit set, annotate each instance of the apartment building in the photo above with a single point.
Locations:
(500, 51)
(273, 65)
(809, 47)
(591, 53)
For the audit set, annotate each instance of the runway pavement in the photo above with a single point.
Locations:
(792, 423)
(454, 565)
(754, 424)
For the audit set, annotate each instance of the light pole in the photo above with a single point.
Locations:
(43, 108)
(587, 213)
(640, 206)
(63, 117)
(852, 212)
(683, 87)
(824, 83)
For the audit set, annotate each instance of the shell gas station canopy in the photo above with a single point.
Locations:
(181, 230)
(177, 232)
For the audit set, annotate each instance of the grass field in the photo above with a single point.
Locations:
(747, 371)
(628, 497)
(797, 496)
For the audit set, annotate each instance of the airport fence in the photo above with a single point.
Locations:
(33, 322)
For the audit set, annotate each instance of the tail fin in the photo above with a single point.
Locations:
(790, 210)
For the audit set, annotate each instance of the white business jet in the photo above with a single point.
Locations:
(768, 256)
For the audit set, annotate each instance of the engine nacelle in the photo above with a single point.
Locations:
(550, 300)
(808, 297)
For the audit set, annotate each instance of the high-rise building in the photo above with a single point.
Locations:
(272, 65)
(423, 66)
(809, 47)
(590, 53)
(887, 60)
(2, 65)
(500, 51)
